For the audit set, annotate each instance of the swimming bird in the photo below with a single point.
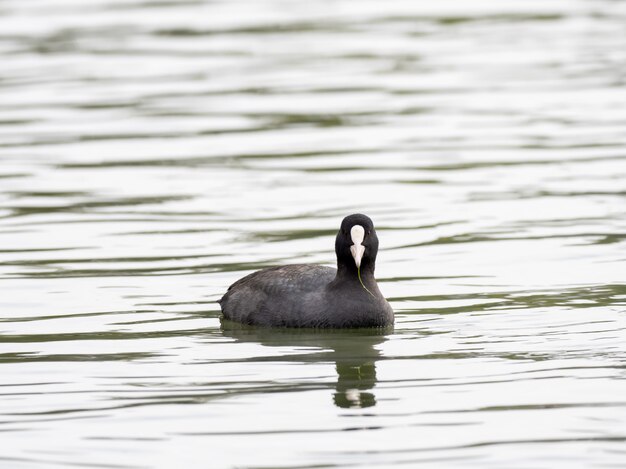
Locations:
(314, 296)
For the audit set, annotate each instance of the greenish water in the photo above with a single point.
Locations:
(151, 153)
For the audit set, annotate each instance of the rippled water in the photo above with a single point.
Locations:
(152, 152)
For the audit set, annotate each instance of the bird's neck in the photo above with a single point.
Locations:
(348, 273)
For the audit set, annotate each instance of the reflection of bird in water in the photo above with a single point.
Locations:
(355, 377)
(354, 352)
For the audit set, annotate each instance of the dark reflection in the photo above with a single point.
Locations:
(354, 353)
(355, 378)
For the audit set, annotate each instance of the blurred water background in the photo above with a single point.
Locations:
(152, 152)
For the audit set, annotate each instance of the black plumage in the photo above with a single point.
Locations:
(305, 295)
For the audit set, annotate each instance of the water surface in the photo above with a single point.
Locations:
(151, 153)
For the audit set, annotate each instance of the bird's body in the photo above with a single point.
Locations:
(305, 295)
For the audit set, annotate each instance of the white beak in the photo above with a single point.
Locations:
(357, 233)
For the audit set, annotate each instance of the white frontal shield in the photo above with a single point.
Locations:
(357, 233)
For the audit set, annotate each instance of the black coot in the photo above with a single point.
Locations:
(306, 295)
